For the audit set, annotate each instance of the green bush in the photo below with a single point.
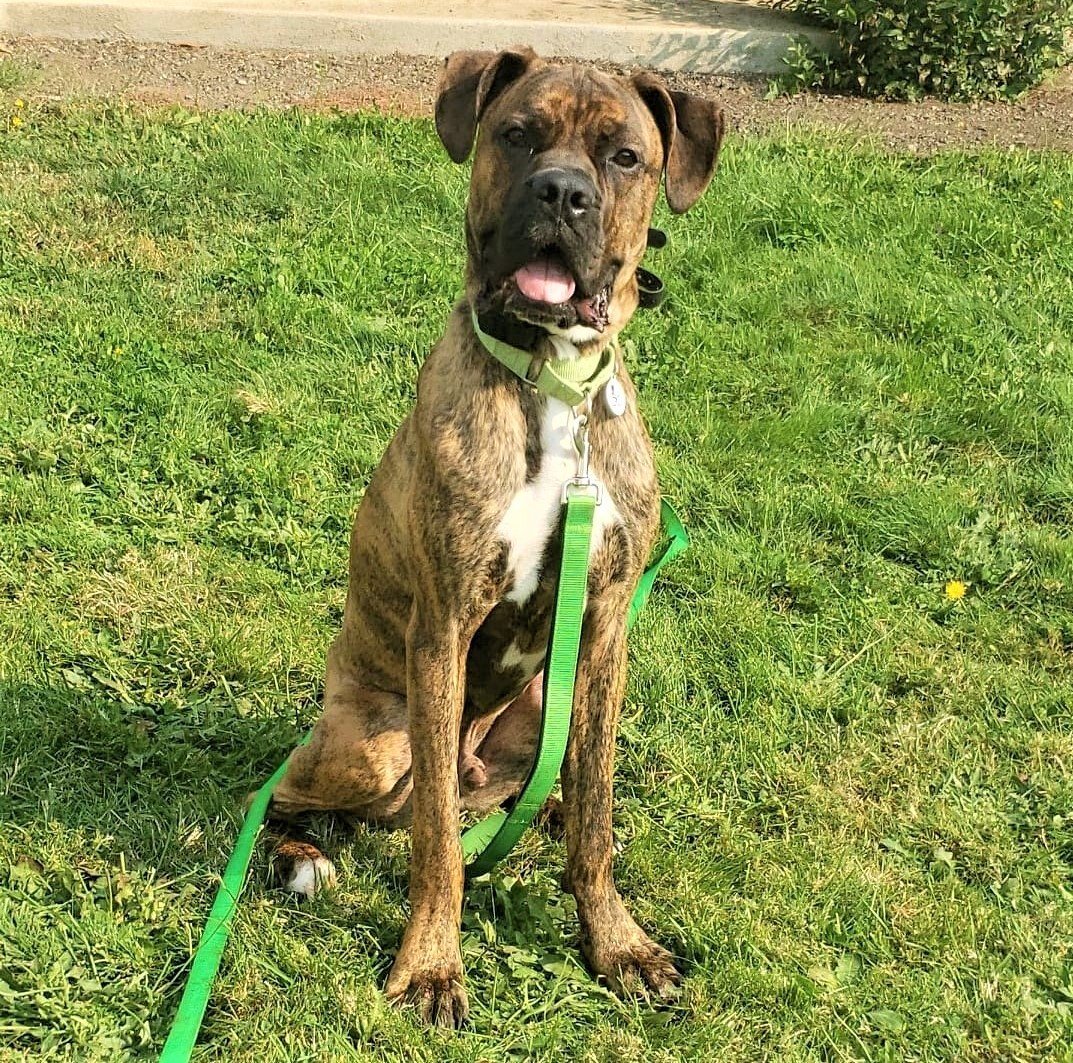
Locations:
(956, 49)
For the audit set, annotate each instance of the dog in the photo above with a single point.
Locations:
(432, 696)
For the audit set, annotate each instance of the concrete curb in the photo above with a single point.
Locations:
(752, 42)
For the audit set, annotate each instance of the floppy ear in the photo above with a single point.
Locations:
(692, 130)
(469, 83)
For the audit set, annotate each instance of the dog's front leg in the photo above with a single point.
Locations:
(428, 969)
(615, 946)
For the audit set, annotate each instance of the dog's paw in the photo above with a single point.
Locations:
(301, 868)
(634, 965)
(646, 971)
(438, 997)
(472, 774)
(310, 877)
(551, 819)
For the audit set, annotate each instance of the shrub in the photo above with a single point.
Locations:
(956, 49)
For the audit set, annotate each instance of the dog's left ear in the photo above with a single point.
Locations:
(692, 131)
(469, 83)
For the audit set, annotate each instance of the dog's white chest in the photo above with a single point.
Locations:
(533, 513)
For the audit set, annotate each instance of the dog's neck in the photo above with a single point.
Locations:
(509, 329)
(535, 339)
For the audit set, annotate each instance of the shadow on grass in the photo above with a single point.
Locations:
(118, 820)
(165, 784)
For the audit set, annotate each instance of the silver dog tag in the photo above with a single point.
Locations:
(615, 397)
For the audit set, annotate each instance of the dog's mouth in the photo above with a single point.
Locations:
(546, 280)
(545, 291)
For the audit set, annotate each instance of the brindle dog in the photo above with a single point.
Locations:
(432, 695)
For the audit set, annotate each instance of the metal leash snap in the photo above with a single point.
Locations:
(582, 482)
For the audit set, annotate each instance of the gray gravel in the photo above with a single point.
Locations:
(211, 78)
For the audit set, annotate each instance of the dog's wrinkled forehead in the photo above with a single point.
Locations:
(574, 106)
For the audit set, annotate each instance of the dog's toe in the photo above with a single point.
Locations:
(301, 868)
(640, 969)
(452, 1007)
(646, 971)
(309, 877)
(438, 1000)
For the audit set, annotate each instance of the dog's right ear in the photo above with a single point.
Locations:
(469, 83)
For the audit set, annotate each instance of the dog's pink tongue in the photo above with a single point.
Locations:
(544, 281)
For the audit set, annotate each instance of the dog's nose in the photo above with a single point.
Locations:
(563, 191)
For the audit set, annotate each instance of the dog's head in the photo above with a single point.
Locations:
(565, 176)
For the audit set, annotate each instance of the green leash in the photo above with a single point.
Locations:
(187, 1022)
(488, 841)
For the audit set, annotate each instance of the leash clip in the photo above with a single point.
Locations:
(582, 483)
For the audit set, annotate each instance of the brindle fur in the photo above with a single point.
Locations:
(420, 717)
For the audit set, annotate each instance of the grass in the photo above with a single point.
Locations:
(846, 799)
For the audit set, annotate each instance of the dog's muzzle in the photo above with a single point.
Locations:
(548, 253)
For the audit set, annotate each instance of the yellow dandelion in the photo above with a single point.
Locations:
(1058, 203)
(16, 121)
(19, 104)
(117, 350)
(956, 590)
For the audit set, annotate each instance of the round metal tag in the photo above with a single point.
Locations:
(615, 397)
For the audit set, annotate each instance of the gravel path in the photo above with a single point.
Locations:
(211, 78)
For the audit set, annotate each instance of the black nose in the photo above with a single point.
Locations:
(563, 191)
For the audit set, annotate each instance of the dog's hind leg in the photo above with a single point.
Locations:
(507, 752)
(357, 761)
(349, 765)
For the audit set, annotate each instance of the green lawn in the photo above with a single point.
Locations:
(846, 798)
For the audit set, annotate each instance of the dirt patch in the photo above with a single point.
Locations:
(211, 78)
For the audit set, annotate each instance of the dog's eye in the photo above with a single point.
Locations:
(515, 136)
(625, 158)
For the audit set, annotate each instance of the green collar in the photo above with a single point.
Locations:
(570, 378)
